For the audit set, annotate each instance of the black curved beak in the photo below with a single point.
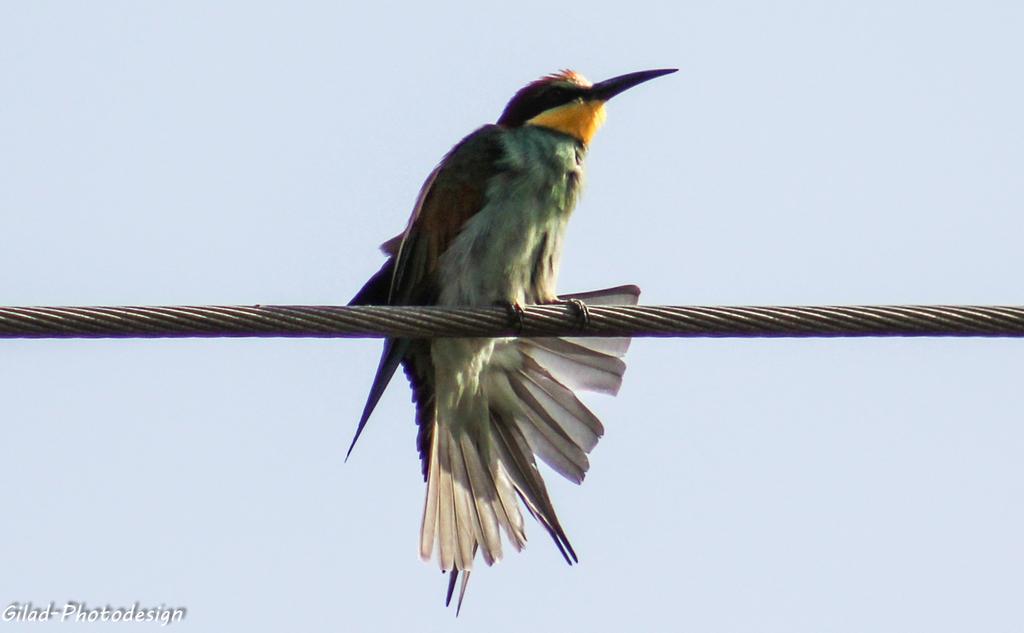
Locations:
(605, 90)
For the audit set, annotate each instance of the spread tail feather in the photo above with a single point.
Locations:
(482, 457)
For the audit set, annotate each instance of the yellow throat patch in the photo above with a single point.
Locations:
(579, 119)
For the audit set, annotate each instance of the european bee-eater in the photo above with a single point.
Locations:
(487, 230)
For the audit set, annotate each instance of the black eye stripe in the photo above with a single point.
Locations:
(554, 98)
(529, 103)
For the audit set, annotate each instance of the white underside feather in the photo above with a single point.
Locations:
(516, 406)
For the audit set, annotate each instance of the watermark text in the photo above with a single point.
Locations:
(72, 611)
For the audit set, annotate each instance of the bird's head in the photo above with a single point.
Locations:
(565, 101)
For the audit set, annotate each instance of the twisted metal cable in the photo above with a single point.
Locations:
(549, 320)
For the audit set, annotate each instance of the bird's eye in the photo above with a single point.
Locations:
(567, 95)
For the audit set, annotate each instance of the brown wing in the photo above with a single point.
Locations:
(454, 192)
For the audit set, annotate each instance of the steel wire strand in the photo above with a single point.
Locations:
(547, 320)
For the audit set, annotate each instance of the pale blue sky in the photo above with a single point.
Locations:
(243, 152)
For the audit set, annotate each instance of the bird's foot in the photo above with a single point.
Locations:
(582, 310)
(515, 313)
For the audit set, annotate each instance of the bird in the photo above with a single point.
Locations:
(487, 230)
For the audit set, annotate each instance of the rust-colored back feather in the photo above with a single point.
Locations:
(453, 193)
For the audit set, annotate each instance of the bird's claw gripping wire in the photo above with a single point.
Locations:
(581, 309)
(582, 312)
(515, 313)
